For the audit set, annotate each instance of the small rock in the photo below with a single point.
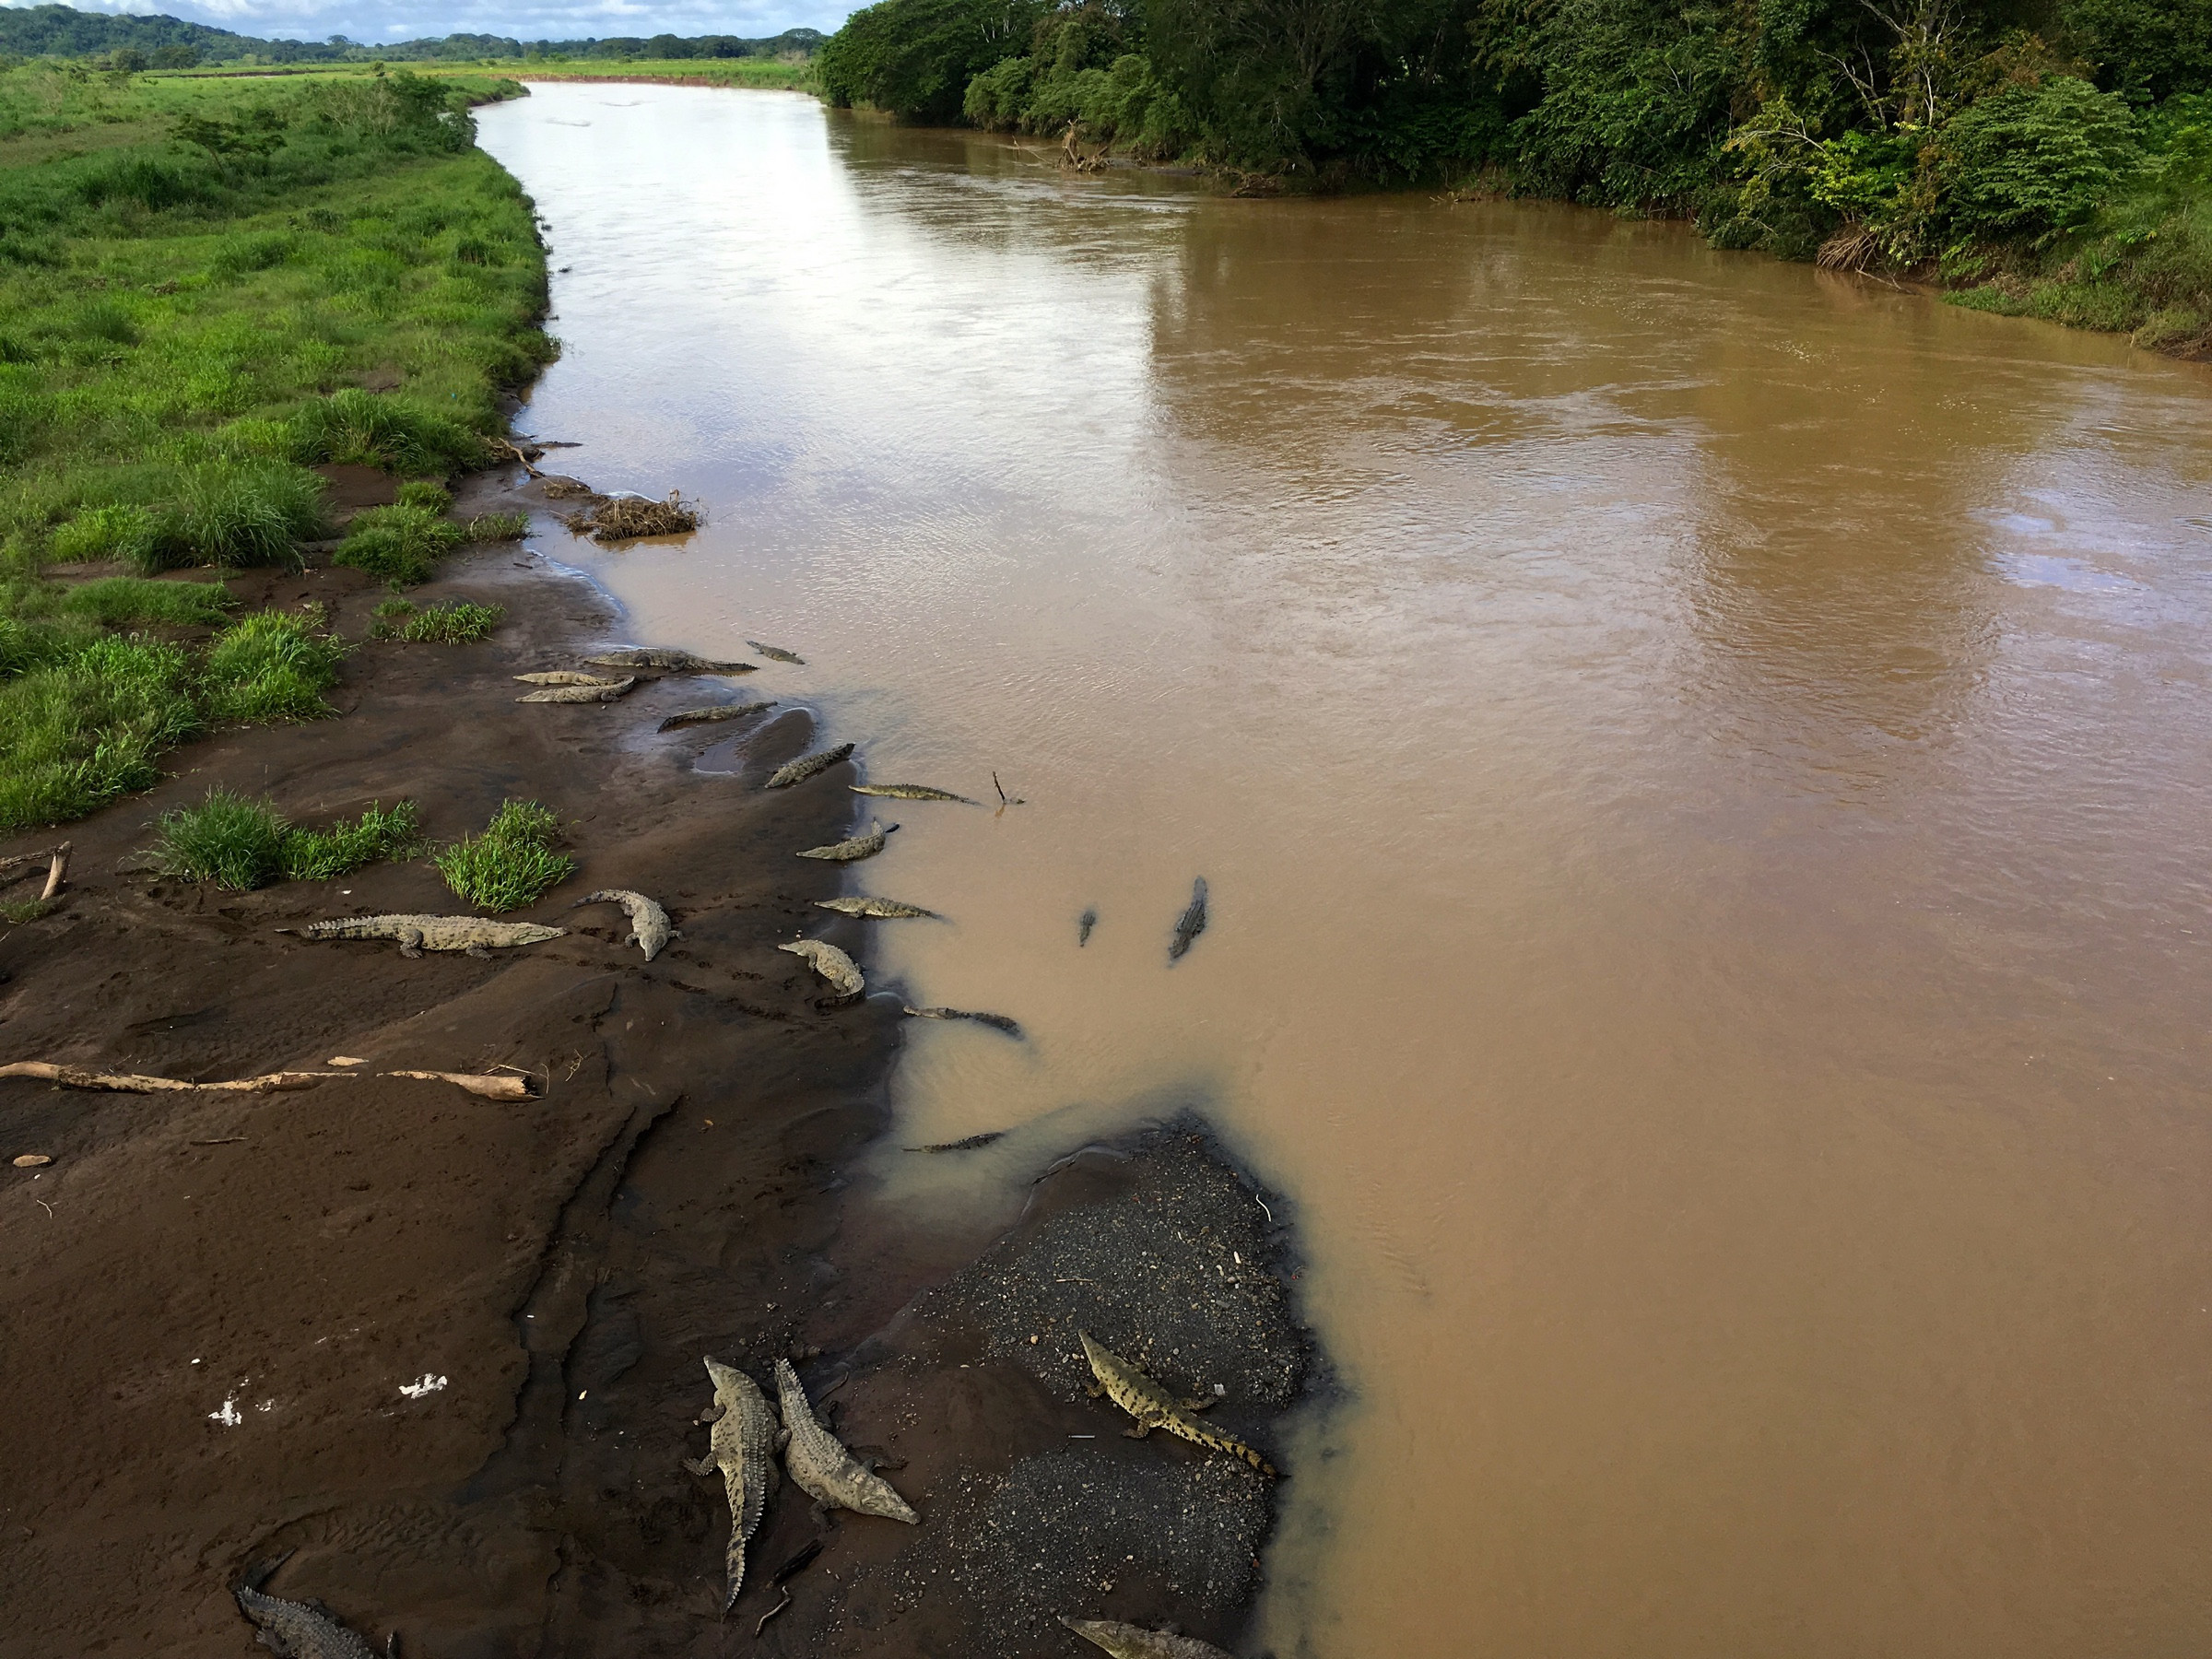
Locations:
(32, 1161)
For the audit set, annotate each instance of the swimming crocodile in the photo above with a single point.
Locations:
(1084, 924)
(305, 1629)
(1192, 923)
(601, 691)
(832, 964)
(1154, 1408)
(565, 676)
(806, 766)
(776, 654)
(649, 929)
(965, 1143)
(912, 792)
(819, 1462)
(859, 847)
(881, 910)
(418, 933)
(668, 661)
(708, 715)
(1133, 1642)
(742, 1444)
(997, 1022)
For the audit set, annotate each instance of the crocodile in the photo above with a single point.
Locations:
(965, 1143)
(305, 1629)
(824, 1470)
(742, 1444)
(776, 654)
(649, 929)
(832, 964)
(1133, 1642)
(604, 691)
(712, 712)
(416, 935)
(881, 910)
(997, 1022)
(666, 661)
(806, 766)
(912, 792)
(859, 847)
(1154, 1408)
(565, 676)
(1084, 924)
(1192, 923)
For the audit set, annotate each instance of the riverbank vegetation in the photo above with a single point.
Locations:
(208, 290)
(2044, 155)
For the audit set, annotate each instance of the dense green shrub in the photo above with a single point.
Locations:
(916, 57)
(512, 864)
(2031, 161)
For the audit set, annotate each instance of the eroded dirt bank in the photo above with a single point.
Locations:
(447, 1350)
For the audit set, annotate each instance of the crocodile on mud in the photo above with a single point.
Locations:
(305, 1629)
(776, 654)
(712, 712)
(1133, 1642)
(668, 661)
(649, 929)
(878, 910)
(1154, 1408)
(822, 1468)
(566, 677)
(966, 1144)
(742, 1444)
(601, 692)
(997, 1022)
(1084, 924)
(806, 766)
(912, 792)
(859, 847)
(416, 935)
(832, 964)
(1192, 923)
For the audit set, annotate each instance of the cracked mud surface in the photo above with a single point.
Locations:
(554, 1269)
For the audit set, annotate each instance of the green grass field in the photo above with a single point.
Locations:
(209, 284)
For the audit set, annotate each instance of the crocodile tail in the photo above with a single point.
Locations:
(734, 1565)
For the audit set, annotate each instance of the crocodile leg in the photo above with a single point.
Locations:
(702, 1466)
(410, 942)
(1202, 1402)
(1094, 1390)
(1138, 1432)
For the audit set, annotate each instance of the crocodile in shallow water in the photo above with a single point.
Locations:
(298, 1629)
(666, 661)
(1192, 923)
(832, 964)
(806, 766)
(649, 929)
(601, 691)
(1133, 1642)
(912, 792)
(776, 654)
(997, 1022)
(1154, 1408)
(860, 846)
(566, 677)
(880, 909)
(1084, 924)
(821, 1466)
(966, 1144)
(742, 1444)
(712, 712)
(418, 933)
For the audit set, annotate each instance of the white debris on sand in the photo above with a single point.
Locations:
(427, 1384)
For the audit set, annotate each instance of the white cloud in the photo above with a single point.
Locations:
(375, 21)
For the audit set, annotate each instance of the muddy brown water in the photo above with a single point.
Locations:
(1702, 771)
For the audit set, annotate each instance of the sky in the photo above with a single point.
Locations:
(383, 20)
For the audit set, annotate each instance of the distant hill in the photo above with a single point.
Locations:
(64, 32)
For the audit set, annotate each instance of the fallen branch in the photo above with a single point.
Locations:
(23, 863)
(77, 1076)
(55, 871)
(476, 1083)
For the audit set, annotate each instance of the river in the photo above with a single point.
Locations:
(1703, 768)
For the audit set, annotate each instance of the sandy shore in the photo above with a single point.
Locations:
(446, 1348)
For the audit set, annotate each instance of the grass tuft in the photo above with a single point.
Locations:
(234, 842)
(401, 543)
(369, 428)
(512, 864)
(457, 624)
(239, 513)
(116, 601)
(498, 526)
(425, 493)
(272, 666)
(79, 731)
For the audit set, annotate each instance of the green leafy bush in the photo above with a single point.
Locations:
(2029, 161)
(400, 544)
(512, 864)
(272, 666)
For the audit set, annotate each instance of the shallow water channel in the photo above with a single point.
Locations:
(1703, 770)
